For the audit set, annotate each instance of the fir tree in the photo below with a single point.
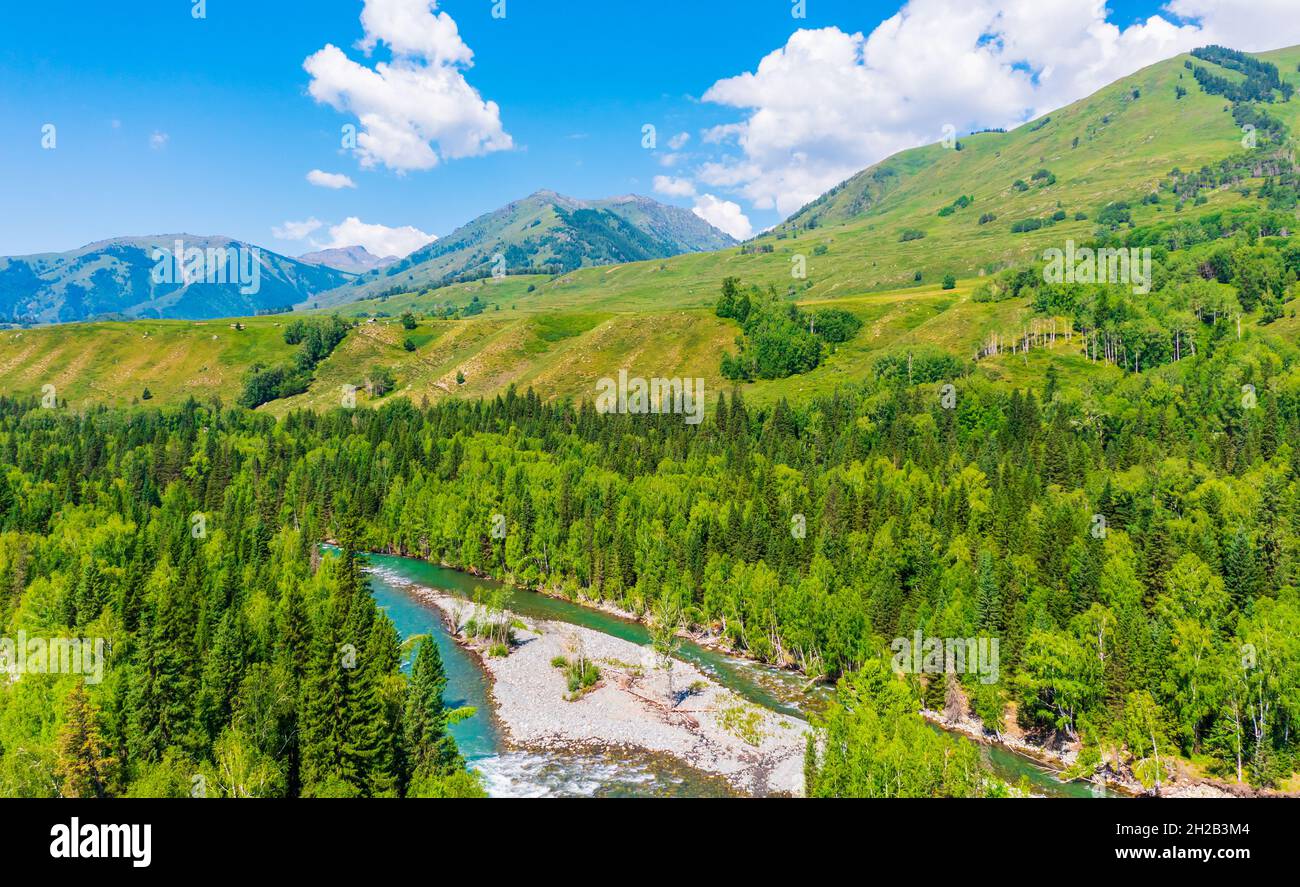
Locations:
(86, 766)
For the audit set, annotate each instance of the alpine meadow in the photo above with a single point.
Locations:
(933, 432)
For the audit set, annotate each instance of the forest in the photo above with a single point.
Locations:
(1130, 535)
(239, 663)
(188, 536)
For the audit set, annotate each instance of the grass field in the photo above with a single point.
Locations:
(559, 335)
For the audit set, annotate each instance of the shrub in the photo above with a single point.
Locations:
(1114, 214)
(835, 325)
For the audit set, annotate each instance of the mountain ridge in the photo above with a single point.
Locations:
(545, 232)
(560, 333)
(137, 276)
(349, 259)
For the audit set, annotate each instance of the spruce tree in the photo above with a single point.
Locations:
(430, 748)
(86, 766)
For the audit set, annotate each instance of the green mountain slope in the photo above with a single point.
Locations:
(851, 240)
(543, 232)
(117, 278)
(560, 332)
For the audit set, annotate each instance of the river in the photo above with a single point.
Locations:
(512, 772)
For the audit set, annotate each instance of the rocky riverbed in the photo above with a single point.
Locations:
(636, 702)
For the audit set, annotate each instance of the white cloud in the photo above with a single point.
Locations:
(679, 141)
(381, 240)
(296, 230)
(333, 180)
(673, 187)
(416, 110)
(1248, 25)
(829, 104)
(723, 215)
(716, 135)
(158, 140)
(413, 28)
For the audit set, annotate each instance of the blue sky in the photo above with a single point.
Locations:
(168, 123)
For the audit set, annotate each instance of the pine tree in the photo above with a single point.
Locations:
(1240, 572)
(164, 681)
(223, 671)
(988, 596)
(430, 748)
(372, 745)
(324, 709)
(86, 766)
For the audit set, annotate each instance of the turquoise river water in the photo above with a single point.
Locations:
(511, 771)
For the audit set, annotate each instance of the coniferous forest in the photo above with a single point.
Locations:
(933, 432)
(1134, 545)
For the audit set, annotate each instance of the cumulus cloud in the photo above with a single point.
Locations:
(674, 187)
(1248, 25)
(723, 215)
(417, 109)
(158, 140)
(679, 141)
(380, 240)
(333, 180)
(828, 104)
(296, 230)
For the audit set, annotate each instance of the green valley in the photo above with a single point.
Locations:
(946, 493)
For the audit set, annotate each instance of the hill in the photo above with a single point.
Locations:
(349, 259)
(1155, 143)
(543, 232)
(165, 275)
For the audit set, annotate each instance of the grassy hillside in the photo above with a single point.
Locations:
(543, 232)
(560, 334)
(114, 363)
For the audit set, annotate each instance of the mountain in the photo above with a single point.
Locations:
(349, 259)
(131, 277)
(543, 233)
(1129, 142)
(1135, 142)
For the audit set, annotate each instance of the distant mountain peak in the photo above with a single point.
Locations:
(118, 277)
(351, 259)
(543, 233)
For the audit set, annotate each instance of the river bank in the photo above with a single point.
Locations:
(782, 690)
(1052, 756)
(1059, 756)
(636, 703)
(800, 687)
